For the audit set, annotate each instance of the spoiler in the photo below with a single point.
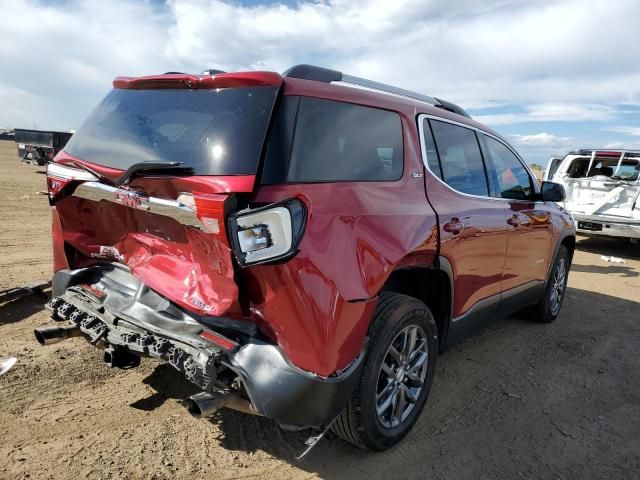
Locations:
(184, 80)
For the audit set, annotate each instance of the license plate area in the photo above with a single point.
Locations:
(590, 226)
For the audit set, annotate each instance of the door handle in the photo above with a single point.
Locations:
(455, 226)
(514, 221)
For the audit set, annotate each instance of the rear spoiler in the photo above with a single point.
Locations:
(184, 80)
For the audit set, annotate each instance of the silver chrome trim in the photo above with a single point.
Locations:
(352, 80)
(423, 151)
(98, 192)
(62, 171)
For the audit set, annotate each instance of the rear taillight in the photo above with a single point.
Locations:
(210, 208)
(59, 176)
(269, 233)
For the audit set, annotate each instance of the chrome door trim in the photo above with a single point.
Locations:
(423, 152)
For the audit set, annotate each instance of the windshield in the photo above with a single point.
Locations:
(213, 132)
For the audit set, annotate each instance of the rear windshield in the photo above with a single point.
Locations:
(214, 132)
(628, 169)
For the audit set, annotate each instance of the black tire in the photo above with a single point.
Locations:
(547, 309)
(360, 423)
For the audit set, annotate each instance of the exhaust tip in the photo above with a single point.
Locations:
(193, 408)
(49, 335)
(39, 337)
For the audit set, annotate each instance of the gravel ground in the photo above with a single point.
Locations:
(517, 400)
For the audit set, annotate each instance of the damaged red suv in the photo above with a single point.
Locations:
(300, 246)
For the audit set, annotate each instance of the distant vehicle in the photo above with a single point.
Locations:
(6, 134)
(40, 146)
(602, 190)
(552, 166)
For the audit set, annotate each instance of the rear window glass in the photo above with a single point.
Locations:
(214, 132)
(460, 158)
(336, 141)
(628, 169)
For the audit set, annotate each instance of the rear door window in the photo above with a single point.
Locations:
(511, 177)
(337, 141)
(461, 164)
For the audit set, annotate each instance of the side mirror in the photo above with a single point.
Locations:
(552, 192)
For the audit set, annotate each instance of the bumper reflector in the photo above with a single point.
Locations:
(218, 340)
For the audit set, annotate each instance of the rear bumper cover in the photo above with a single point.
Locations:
(596, 225)
(111, 306)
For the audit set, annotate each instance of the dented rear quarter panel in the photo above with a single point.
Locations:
(319, 304)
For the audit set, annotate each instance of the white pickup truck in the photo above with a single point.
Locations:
(602, 190)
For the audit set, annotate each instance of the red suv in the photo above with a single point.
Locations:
(301, 246)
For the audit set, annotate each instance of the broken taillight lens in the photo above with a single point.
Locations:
(59, 176)
(268, 234)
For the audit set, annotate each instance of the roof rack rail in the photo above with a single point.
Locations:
(326, 75)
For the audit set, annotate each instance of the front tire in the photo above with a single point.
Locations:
(549, 306)
(397, 374)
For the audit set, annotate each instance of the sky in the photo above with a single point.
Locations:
(550, 76)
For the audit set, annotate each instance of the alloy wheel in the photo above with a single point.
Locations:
(557, 287)
(401, 377)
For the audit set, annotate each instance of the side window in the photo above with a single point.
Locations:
(460, 158)
(276, 159)
(512, 178)
(430, 150)
(337, 141)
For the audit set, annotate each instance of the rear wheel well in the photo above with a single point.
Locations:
(430, 286)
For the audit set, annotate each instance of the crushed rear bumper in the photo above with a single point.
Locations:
(112, 308)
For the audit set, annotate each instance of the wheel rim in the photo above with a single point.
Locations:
(401, 376)
(557, 286)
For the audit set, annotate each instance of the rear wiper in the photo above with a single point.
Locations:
(149, 167)
(100, 177)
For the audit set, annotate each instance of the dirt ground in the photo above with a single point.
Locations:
(518, 400)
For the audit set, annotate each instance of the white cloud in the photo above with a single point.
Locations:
(543, 140)
(552, 112)
(622, 145)
(543, 54)
(628, 130)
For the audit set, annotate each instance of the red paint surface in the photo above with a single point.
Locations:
(57, 235)
(183, 80)
(531, 239)
(168, 186)
(477, 252)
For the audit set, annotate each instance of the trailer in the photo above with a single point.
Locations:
(40, 146)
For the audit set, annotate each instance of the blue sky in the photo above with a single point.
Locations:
(549, 75)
